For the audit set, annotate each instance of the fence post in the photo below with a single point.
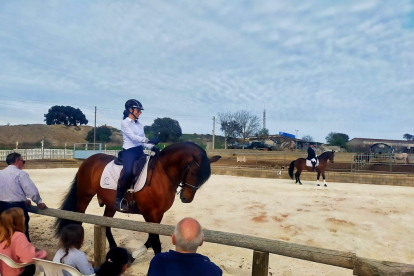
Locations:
(99, 245)
(256, 159)
(260, 263)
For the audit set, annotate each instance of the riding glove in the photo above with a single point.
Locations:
(154, 141)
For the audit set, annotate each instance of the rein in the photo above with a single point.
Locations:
(183, 183)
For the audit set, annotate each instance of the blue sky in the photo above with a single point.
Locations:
(318, 66)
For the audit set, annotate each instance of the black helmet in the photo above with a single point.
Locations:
(133, 104)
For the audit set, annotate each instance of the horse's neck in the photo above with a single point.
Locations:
(323, 157)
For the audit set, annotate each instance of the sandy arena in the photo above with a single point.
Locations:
(372, 221)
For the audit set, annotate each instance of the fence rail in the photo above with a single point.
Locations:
(32, 154)
(261, 246)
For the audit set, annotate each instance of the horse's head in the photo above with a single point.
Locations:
(198, 174)
(331, 156)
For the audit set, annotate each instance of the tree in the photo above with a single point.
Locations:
(166, 129)
(408, 137)
(65, 115)
(337, 139)
(248, 124)
(103, 134)
(263, 133)
(228, 125)
(307, 138)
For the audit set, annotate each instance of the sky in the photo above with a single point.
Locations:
(315, 66)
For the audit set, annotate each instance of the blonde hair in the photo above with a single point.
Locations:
(11, 221)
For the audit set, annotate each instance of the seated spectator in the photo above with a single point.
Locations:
(14, 243)
(71, 240)
(187, 237)
(115, 264)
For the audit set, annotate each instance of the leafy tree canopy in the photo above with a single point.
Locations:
(166, 129)
(263, 133)
(408, 137)
(103, 135)
(65, 115)
(337, 139)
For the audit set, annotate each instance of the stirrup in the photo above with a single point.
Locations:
(118, 207)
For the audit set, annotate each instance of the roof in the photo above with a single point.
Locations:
(383, 140)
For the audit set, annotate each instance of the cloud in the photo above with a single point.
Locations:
(319, 66)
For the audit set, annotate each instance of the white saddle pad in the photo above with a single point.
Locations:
(309, 163)
(111, 173)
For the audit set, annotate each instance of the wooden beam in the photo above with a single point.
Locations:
(260, 263)
(99, 245)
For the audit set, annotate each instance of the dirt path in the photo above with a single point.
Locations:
(372, 221)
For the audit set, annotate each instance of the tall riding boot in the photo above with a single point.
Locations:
(314, 166)
(120, 204)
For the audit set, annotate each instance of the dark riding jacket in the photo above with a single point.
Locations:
(311, 153)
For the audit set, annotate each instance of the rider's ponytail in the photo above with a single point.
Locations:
(126, 114)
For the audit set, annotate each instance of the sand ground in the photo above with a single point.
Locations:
(372, 221)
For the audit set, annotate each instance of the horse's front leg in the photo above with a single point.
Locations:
(317, 179)
(323, 175)
(153, 239)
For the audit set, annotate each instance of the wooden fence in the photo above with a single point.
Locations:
(261, 247)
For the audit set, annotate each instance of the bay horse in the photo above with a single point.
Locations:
(182, 165)
(300, 165)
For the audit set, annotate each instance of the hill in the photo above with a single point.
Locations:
(55, 136)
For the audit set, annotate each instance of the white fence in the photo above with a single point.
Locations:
(31, 154)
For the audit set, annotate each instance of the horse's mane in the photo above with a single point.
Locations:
(205, 169)
(325, 154)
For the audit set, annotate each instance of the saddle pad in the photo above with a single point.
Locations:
(111, 173)
(309, 163)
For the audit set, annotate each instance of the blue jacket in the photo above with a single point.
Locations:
(311, 153)
(173, 263)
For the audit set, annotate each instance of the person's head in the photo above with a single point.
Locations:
(133, 109)
(115, 264)
(72, 236)
(16, 159)
(188, 236)
(11, 220)
(311, 145)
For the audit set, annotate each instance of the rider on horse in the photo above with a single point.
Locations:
(133, 141)
(312, 156)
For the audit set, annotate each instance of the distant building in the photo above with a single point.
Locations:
(364, 144)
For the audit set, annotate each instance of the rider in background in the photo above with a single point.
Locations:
(312, 156)
(133, 141)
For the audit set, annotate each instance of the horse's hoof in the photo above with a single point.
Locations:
(318, 185)
(326, 185)
(139, 252)
(300, 183)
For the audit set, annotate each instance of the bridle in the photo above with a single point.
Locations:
(182, 184)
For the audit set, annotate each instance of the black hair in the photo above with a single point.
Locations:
(116, 258)
(12, 158)
(126, 114)
(72, 236)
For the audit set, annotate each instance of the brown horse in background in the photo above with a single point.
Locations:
(182, 165)
(300, 165)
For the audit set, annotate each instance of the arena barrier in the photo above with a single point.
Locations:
(261, 247)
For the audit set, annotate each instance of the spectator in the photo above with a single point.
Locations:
(115, 264)
(16, 186)
(13, 243)
(71, 240)
(187, 237)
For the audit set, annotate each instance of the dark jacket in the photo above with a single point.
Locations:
(173, 263)
(311, 153)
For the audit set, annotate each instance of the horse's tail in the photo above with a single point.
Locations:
(68, 204)
(291, 168)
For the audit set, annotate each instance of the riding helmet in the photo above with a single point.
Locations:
(133, 104)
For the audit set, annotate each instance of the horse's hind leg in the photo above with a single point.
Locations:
(110, 212)
(296, 177)
(323, 175)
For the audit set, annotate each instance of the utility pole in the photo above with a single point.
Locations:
(296, 139)
(264, 116)
(94, 132)
(214, 129)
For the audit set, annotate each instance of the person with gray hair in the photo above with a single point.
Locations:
(185, 260)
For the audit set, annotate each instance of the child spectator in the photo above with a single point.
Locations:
(14, 243)
(115, 264)
(71, 240)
